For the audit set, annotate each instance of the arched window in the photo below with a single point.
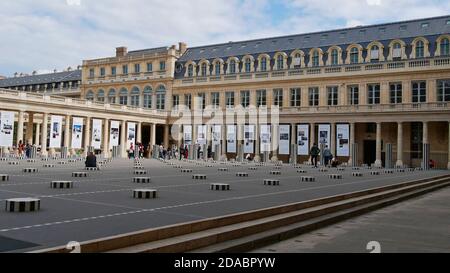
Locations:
(148, 93)
(264, 64)
(112, 96)
(397, 51)
(135, 94)
(354, 56)
(420, 49)
(445, 47)
(374, 53)
(334, 57)
(297, 60)
(90, 95)
(101, 95)
(248, 65)
(204, 69)
(123, 96)
(232, 67)
(315, 59)
(280, 62)
(190, 70)
(161, 97)
(218, 64)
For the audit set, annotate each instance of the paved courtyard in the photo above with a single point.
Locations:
(102, 204)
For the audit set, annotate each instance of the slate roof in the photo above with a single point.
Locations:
(148, 51)
(362, 34)
(67, 76)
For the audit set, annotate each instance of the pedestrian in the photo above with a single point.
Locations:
(91, 160)
(327, 155)
(131, 151)
(314, 153)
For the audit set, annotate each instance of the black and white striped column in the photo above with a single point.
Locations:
(23, 205)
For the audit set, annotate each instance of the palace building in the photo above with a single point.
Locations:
(375, 94)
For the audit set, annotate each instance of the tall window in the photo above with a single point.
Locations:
(91, 73)
(188, 101)
(445, 47)
(374, 53)
(102, 72)
(313, 96)
(354, 56)
(332, 93)
(229, 99)
(190, 70)
(263, 64)
(419, 92)
(218, 64)
(125, 69)
(315, 59)
(123, 96)
(161, 98)
(296, 97)
(175, 101)
(373, 91)
(443, 90)
(248, 65)
(204, 70)
(245, 98)
(215, 99)
(353, 95)
(162, 65)
(420, 49)
(101, 95)
(90, 96)
(148, 95)
(395, 93)
(261, 98)
(280, 62)
(278, 97)
(135, 93)
(149, 67)
(397, 51)
(112, 96)
(334, 57)
(137, 68)
(232, 67)
(297, 61)
(113, 70)
(416, 140)
(202, 98)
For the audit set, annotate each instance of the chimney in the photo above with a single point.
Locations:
(69, 69)
(55, 71)
(79, 67)
(182, 47)
(21, 75)
(34, 73)
(16, 75)
(121, 51)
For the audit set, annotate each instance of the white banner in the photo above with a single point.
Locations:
(249, 139)
(231, 139)
(216, 136)
(343, 140)
(77, 133)
(6, 129)
(187, 132)
(325, 135)
(201, 135)
(96, 141)
(55, 132)
(303, 139)
(266, 138)
(284, 139)
(114, 134)
(131, 136)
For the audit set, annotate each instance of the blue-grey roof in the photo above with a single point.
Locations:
(362, 34)
(149, 51)
(67, 76)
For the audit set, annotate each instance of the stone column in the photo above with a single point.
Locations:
(275, 142)
(166, 136)
(257, 144)
(352, 142)
(123, 139)
(106, 138)
(224, 142)
(153, 137)
(293, 143)
(87, 135)
(38, 132)
(20, 127)
(67, 133)
(312, 140)
(425, 133)
(378, 162)
(399, 162)
(333, 139)
(139, 132)
(44, 135)
(30, 127)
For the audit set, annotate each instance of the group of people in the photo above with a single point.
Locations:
(132, 150)
(328, 158)
(24, 149)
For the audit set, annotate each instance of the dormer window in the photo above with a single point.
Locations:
(217, 68)
(233, 67)
(354, 56)
(420, 49)
(397, 51)
(334, 57)
(248, 65)
(374, 53)
(297, 61)
(190, 71)
(280, 62)
(315, 59)
(264, 64)
(445, 47)
(204, 70)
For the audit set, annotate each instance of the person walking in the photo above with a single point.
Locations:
(131, 151)
(327, 155)
(314, 153)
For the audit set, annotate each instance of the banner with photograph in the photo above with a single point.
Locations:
(343, 140)
(96, 140)
(77, 133)
(303, 139)
(55, 131)
(201, 135)
(216, 136)
(131, 135)
(266, 138)
(114, 135)
(6, 129)
(325, 135)
(187, 134)
(231, 139)
(284, 139)
(249, 139)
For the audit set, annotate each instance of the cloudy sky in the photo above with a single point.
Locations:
(46, 34)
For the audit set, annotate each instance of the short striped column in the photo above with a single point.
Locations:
(271, 182)
(61, 185)
(145, 194)
(4, 177)
(30, 170)
(220, 187)
(23, 205)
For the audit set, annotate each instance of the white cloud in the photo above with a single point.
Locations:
(48, 34)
